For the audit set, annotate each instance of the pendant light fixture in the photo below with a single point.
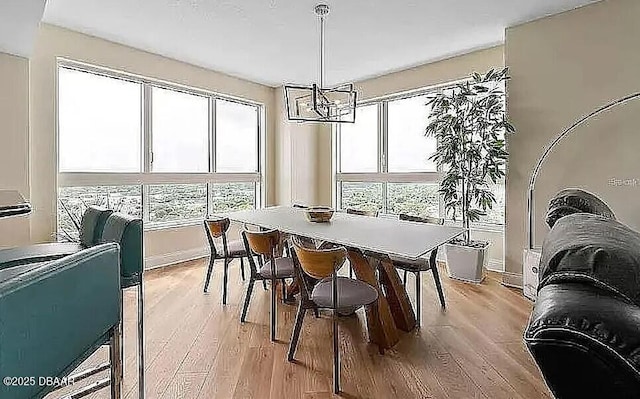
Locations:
(316, 103)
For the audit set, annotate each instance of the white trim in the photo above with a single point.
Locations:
(513, 280)
(156, 261)
(496, 265)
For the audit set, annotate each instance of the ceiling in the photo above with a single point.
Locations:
(276, 41)
(19, 21)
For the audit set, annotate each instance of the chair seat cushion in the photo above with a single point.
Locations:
(351, 293)
(236, 248)
(283, 266)
(412, 265)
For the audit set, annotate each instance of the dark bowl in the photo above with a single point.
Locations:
(319, 214)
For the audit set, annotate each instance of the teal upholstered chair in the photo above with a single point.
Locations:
(98, 226)
(54, 315)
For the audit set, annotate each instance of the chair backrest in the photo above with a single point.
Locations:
(319, 263)
(91, 225)
(264, 243)
(423, 219)
(216, 228)
(127, 231)
(361, 212)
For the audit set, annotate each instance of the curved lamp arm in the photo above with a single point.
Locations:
(536, 169)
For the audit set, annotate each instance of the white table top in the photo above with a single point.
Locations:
(381, 235)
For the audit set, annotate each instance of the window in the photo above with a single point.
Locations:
(166, 153)
(409, 149)
(174, 202)
(359, 143)
(73, 201)
(180, 131)
(361, 196)
(92, 108)
(382, 161)
(236, 137)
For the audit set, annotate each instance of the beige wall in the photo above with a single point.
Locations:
(55, 42)
(563, 67)
(14, 151)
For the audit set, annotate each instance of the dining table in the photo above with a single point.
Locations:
(370, 241)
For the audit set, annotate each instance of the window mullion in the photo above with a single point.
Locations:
(212, 134)
(147, 139)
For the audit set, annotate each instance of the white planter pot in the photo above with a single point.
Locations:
(466, 263)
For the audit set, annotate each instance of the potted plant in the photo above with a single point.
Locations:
(469, 122)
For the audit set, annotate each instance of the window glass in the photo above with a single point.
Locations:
(236, 137)
(227, 197)
(177, 202)
(496, 215)
(359, 142)
(361, 196)
(415, 199)
(99, 121)
(73, 201)
(409, 148)
(179, 131)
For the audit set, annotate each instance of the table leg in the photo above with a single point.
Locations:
(380, 322)
(397, 296)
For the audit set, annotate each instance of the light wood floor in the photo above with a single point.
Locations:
(196, 348)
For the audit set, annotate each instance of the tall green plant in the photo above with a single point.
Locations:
(469, 123)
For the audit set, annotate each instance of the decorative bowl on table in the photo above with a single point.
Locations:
(319, 214)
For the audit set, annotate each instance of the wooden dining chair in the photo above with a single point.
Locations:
(266, 246)
(420, 265)
(361, 212)
(331, 292)
(215, 229)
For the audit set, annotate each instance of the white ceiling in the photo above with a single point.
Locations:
(19, 21)
(276, 41)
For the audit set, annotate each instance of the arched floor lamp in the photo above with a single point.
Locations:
(530, 287)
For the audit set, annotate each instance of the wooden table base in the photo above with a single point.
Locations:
(397, 296)
(380, 320)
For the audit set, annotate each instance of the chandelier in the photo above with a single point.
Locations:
(316, 103)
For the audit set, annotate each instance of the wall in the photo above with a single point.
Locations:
(14, 151)
(563, 67)
(55, 42)
(444, 71)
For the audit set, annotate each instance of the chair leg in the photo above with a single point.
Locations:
(209, 270)
(436, 279)
(247, 299)
(418, 300)
(273, 309)
(264, 285)
(116, 363)
(242, 268)
(404, 280)
(296, 331)
(225, 280)
(284, 290)
(141, 393)
(316, 312)
(336, 354)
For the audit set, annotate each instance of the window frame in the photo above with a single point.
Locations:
(383, 175)
(146, 177)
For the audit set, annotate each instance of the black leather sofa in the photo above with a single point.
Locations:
(584, 331)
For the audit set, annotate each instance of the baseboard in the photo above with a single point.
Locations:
(496, 265)
(513, 280)
(152, 262)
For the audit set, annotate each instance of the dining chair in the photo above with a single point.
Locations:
(361, 212)
(420, 265)
(331, 292)
(266, 246)
(217, 228)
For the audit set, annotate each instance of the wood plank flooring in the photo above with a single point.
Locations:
(197, 348)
